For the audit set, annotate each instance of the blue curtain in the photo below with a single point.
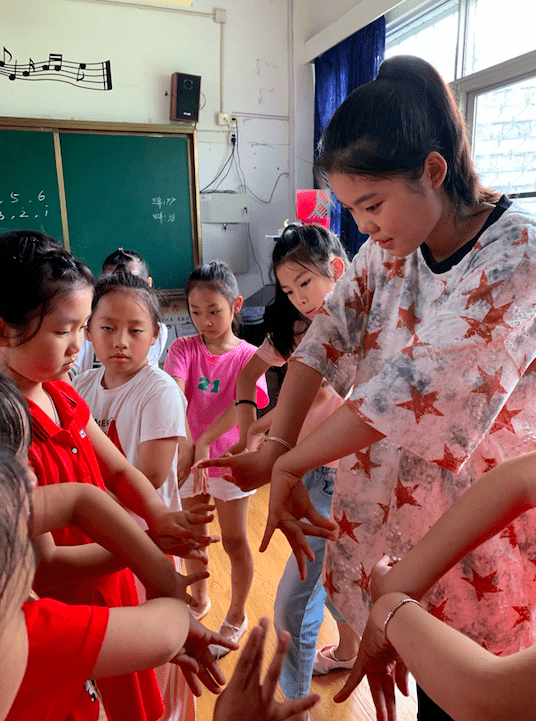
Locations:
(338, 71)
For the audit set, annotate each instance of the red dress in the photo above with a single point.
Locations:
(63, 645)
(65, 455)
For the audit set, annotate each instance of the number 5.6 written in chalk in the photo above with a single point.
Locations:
(19, 205)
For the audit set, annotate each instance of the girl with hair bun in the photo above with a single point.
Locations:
(431, 334)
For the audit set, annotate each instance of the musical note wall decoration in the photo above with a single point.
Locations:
(89, 76)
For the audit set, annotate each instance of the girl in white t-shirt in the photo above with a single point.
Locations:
(141, 410)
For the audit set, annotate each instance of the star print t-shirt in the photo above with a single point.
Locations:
(444, 366)
(210, 386)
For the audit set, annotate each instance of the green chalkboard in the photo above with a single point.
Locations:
(131, 191)
(29, 197)
(106, 185)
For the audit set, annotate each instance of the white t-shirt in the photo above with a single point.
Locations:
(87, 360)
(148, 406)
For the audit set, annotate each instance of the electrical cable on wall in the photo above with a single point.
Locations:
(234, 160)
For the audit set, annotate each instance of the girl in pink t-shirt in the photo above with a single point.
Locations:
(205, 367)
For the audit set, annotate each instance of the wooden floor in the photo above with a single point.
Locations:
(268, 569)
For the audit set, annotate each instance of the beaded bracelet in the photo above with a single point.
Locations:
(246, 400)
(394, 610)
(280, 440)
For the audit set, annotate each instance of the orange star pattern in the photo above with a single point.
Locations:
(504, 420)
(482, 292)
(356, 304)
(364, 463)
(369, 342)
(421, 403)
(524, 614)
(404, 495)
(483, 328)
(509, 532)
(386, 507)
(415, 343)
(490, 463)
(363, 582)
(355, 406)
(443, 292)
(524, 238)
(362, 281)
(490, 384)
(330, 587)
(347, 527)
(332, 354)
(396, 268)
(483, 584)
(439, 611)
(407, 318)
(449, 461)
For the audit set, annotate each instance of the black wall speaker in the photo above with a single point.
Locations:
(185, 92)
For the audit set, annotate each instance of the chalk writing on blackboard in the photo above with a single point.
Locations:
(162, 217)
(18, 205)
(89, 76)
(160, 202)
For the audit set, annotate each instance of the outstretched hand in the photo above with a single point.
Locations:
(197, 663)
(245, 698)
(379, 662)
(178, 533)
(289, 504)
(246, 470)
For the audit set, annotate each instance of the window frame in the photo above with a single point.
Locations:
(467, 88)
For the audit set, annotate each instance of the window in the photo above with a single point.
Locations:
(480, 55)
(417, 33)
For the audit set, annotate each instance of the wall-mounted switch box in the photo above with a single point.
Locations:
(224, 208)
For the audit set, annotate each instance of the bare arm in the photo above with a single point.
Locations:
(463, 678)
(338, 436)
(252, 470)
(61, 566)
(137, 493)
(141, 637)
(186, 445)
(111, 526)
(155, 458)
(246, 389)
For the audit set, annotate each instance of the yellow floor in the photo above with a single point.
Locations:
(268, 569)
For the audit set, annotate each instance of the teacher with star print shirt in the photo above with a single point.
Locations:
(431, 331)
(437, 358)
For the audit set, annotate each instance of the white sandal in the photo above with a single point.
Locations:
(236, 634)
(199, 613)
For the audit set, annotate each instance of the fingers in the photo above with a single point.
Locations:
(320, 531)
(382, 689)
(352, 682)
(274, 670)
(194, 577)
(210, 674)
(401, 678)
(293, 710)
(320, 526)
(220, 462)
(248, 668)
(271, 525)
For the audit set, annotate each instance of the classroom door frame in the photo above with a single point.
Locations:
(57, 126)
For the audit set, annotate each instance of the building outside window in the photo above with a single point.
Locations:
(487, 52)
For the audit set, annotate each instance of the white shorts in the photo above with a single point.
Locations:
(218, 488)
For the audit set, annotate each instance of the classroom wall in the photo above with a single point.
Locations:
(145, 46)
